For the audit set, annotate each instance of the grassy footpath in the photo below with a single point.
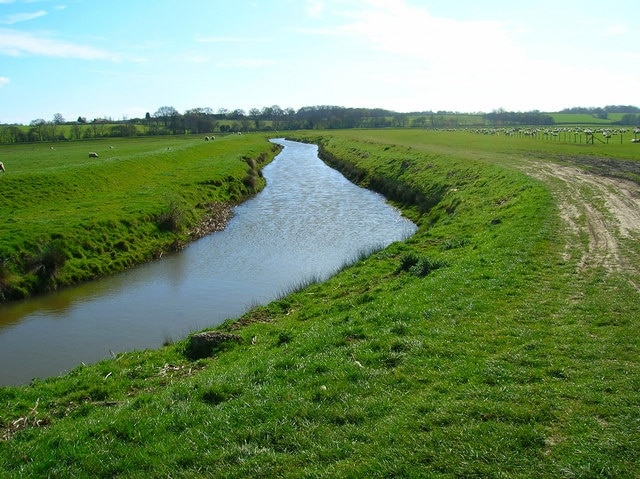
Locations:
(471, 350)
(67, 218)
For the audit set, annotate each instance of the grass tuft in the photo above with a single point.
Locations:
(420, 266)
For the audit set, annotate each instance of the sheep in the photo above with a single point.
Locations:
(206, 138)
(2, 167)
(93, 154)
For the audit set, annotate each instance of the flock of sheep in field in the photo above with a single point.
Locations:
(575, 134)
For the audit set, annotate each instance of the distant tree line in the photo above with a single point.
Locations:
(168, 121)
(510, 118)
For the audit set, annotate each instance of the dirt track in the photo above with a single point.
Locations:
(602, 217)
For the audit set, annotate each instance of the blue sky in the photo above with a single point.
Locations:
(123, 58)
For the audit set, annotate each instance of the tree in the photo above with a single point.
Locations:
(199, 120)
(76, 131)
(419, 122)
(236, 114)
(246, 123)
(600, 113)
(277, 114)
(124, 129)
(166, 114)
(629, 119)
(400, 120)
(37, 129)
(98, 127)
(254, 113)
(12, 134)
(58, 119)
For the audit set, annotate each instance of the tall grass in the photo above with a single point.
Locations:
(507, 360)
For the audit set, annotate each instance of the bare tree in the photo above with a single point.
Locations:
(166, 113)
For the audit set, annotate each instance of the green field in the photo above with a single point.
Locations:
(67, 217)
(500, 341)
(585, 119)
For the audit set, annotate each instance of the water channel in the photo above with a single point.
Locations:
(307, 223)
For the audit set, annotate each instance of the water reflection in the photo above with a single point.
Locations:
(306, 223)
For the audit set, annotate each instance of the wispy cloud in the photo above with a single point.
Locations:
(315, 8)
(21, 17)
(16, 43)
(411, 31)
(4, 81)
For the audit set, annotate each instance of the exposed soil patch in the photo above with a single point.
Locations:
(218, 215)
(625, 169)
(216, 219)
(602, 213)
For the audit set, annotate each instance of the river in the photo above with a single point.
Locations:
(307, 223)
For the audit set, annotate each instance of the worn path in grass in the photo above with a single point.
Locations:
(602, 215)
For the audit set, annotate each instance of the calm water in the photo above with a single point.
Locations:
(306, 224)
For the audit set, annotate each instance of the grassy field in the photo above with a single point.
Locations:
(481, 347)
(585, 119)
(67, 217)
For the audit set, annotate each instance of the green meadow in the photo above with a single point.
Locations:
(483, 346)
(585, 119)
(67, 217)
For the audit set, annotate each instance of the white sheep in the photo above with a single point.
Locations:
(2, 167)
(93, 154)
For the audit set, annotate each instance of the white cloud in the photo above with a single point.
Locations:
(4, 81)
(409, 31)
(419, 59)
(315, 8)
(21, 17)
(16, 43)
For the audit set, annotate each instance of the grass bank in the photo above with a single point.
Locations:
(475, 349)
(67, 217)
